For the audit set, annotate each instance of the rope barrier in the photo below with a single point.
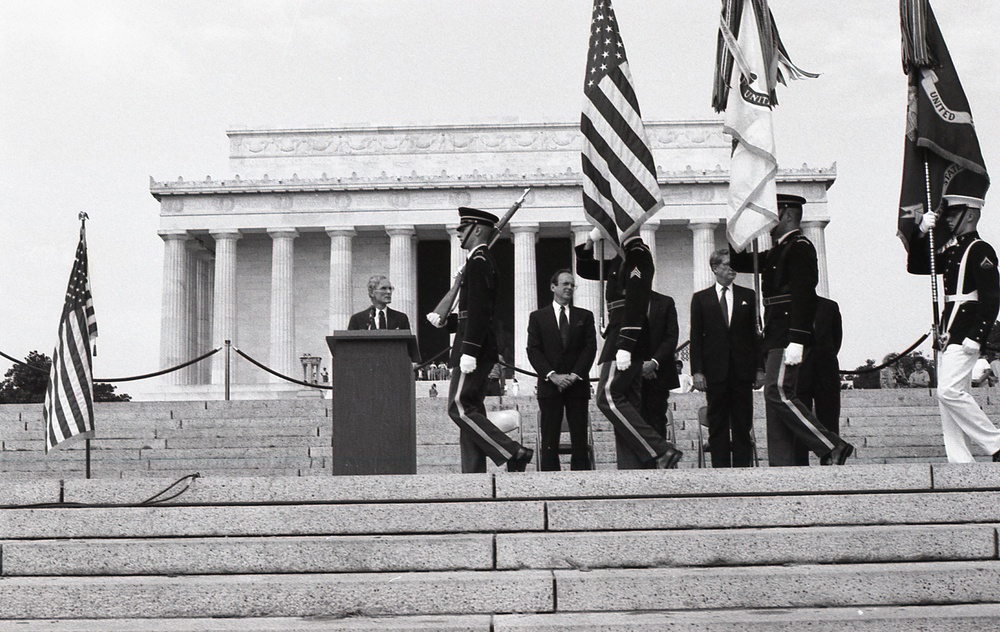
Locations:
(149, 502)
(895, 360)
(276, 374)
(158, 373)
(122, 379)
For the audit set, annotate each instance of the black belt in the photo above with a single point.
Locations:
(777, 300)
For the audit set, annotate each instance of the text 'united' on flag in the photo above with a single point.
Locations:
(941, 154)
(620, 191)
(69, 396)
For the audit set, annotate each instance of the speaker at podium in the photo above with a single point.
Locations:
(373, 402)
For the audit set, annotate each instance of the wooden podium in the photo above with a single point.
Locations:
(374, 409)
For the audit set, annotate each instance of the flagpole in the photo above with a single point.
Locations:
(86, 444)
(933, 266)
(756, 287)
(600, 284)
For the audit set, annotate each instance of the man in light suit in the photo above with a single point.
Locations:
(726, 362)
(379, 315)
(562, 345)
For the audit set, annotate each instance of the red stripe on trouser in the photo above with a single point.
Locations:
(490, 439)
(784, 405)
(613, 400)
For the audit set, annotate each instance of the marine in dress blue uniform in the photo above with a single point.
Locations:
(972, 300)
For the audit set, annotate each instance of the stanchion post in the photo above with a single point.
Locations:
(87, 448)
(229, 345)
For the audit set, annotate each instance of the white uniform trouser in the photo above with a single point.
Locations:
(961, 416)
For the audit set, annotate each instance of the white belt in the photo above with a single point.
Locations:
(962, 298)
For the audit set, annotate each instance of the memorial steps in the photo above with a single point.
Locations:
(870, 547)
(292, 437)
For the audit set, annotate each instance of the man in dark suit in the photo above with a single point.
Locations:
(379, 315)
(562, 345)
(726, 362)
(790, 273)
(819, 377)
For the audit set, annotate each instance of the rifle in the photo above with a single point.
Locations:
(446, 304)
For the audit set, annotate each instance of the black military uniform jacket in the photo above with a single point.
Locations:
(974, 318)
(789, 276)
(476, 305)
(629, 285)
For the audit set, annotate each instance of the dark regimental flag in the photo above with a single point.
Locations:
(620, 191)
(941, 154)
(69, 397)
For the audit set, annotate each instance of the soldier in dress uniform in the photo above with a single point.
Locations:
(619, 391)
(475, 351)
(788, 286)
(972, 300)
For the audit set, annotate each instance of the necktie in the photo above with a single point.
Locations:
(724, 304)
(381, 319)
(563, 326)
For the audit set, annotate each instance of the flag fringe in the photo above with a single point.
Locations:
(776, 58)
(913, 17)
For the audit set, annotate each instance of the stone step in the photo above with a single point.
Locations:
(220, 556)
(584, 550)
(806, 586)
(306, 595)
(951, 618)
(287, 520)
(773, 511)
(324, 623)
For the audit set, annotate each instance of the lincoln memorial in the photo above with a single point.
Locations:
(276, 255)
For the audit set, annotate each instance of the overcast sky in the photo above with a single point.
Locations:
(99, 95)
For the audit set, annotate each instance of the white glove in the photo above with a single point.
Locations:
(970, 347)
(793, 353)
(927, 222)
(467, 363)
(595, 235)
(623, 359)
(435, 319)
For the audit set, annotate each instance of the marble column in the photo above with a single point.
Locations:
(704, 243)
(224, 308)
(175, 320)
(205, 264)
(341, 256)
(282, 351)
(588, 293)
(401, 254)
(199, 302)
(815, 231)
(525, 289)
(648, 233)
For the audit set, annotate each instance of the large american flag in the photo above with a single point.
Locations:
(620, 191)
(69, 396)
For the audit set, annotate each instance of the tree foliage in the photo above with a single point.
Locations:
(25, 383)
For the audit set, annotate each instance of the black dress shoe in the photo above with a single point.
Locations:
(996, 456)
(519, 462)
(838, 456)
(668, 460)
(826, 460)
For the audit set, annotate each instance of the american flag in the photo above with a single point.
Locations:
(69, 396)
(620, 191)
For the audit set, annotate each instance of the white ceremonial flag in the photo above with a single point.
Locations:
(752, 194)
